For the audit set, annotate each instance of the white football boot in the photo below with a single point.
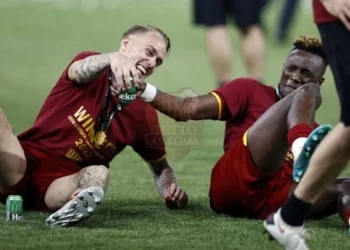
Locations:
(291, 238)
(80, 207)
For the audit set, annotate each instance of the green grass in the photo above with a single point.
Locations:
(38, 40)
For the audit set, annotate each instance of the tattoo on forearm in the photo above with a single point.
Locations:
(93, 176)
(89, 68)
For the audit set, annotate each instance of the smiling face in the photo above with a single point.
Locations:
(301, 67)
(146, 49)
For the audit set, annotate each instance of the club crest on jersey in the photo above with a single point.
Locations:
(179, 138)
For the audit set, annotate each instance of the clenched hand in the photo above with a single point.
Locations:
(122, 69)
(175, 197)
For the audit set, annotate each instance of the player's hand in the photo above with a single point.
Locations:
(175, 197)
(141, 88)
(122, 69)
(339, 9)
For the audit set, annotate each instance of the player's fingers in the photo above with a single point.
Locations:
(117, 79)
(126, 75)
(347, 14)
(167, 195)
(177, 194)
(135, 75)
(345, 20)
(115, 91)
(183, 199)
(169, 191)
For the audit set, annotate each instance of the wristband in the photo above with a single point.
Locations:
(149, 93)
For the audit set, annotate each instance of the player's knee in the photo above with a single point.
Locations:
(310, 90)
(99, 171)
(248, 29)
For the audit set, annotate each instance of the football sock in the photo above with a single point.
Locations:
(344, 205)
(347, 218)
(295, 211)
(297, 146)
(297, 136)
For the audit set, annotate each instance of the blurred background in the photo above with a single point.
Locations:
(38, 38)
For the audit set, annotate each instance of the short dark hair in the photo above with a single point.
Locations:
(147, 28)
(311, 44)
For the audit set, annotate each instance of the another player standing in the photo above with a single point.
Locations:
(286, 226)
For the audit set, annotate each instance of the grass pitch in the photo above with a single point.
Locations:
(38, 39)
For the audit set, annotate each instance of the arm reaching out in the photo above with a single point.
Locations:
(182, 109)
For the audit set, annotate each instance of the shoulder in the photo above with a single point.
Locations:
(84, 54)
(245, 82)
(239, 86)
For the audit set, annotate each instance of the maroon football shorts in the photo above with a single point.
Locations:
(240, 189)
(42, 170)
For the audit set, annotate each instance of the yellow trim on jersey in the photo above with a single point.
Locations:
(158, 160)
(245, 139)
(219, 103)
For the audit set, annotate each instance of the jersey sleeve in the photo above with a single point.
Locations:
(233, 97)
(82, 55)
(151, 146)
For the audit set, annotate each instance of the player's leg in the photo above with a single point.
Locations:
(285, 19)
(292, 116)
(76, 196)
(335, 199)
(220, 52)
(332, 155)
(12, 158)
(212, 14)
(253, 47)
(344, 200)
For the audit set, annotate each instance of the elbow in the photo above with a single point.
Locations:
(71, 75)
(187, 111)
(183, 118)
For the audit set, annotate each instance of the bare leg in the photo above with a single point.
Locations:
(344, 200)
(329, 159)
(253, 49)
(331, 201)
(62, 189)
(12, 159)
(220, 52)
(272, 127)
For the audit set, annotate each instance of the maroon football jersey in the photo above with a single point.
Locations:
(67, 123)
(320, 13)
(244, 100)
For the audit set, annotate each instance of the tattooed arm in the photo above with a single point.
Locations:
(85, 70)
(167, 186)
